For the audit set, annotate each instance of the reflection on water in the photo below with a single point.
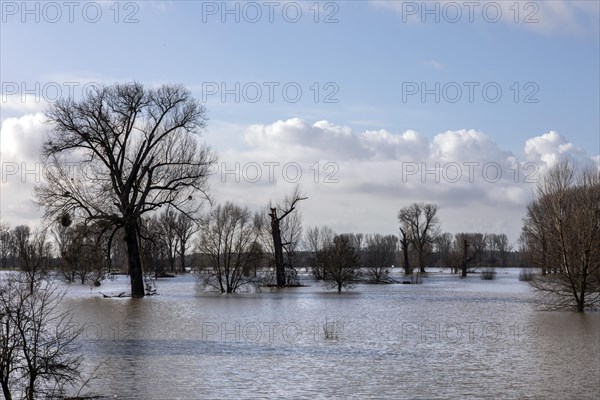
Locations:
(448, 338)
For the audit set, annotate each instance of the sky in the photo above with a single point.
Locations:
(368, 105)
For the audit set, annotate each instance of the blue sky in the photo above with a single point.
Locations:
(366, 60)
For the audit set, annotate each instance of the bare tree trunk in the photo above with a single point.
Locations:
(465, 260)
(405, 242)
(421, 261)
(182, 257)
(135, 262)
(407, 269)
(278, 245)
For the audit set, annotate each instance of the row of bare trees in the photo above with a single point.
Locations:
(374, 253)
(235, 243)
(27, 251)
(123, 152)
(166, 240)
(463, 251)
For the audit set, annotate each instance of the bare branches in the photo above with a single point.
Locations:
(379, 256)
(38, 340)
(292, 228)
(561, 231)
(124, 151)
(421, 222)
(341, 263)
(228, 247)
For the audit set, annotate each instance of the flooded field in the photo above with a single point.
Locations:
(447, 338)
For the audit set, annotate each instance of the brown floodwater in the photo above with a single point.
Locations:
(448, 338)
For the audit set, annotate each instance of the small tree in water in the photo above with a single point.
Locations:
(228, 247)
(341, 263)
(566, 209)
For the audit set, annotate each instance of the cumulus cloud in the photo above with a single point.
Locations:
(549, 148)
(20, 140)
(355, 180)
(21, 137)
(478, 185)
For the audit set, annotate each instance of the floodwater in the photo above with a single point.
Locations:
(448, 338)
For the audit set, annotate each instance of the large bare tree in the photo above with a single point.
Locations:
(123, 151)
(563, 220)
(405, 243)
(292, 234)
(469, 250)
(421, 221)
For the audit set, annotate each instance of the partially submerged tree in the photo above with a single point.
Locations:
(405, 243)
(421, 222)
(228, 246)
(167, 221)
(277, 217)
(341, 263)
(185, 227)
(443, 246)
(133, 150)
(317, 239)
(379, 255)
(155, 255)
(81, 252)
(469, 249)
(563, 220)
(32, 252)
(498, 249)
(5, 245)
(38, 356)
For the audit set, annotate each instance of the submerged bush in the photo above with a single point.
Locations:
(489, 274)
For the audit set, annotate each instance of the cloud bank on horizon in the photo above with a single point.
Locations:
(355, 181)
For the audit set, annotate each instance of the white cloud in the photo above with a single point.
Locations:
(478, 185)
(356, 181)
(21, 137)
(23, 103)
(20, 140)
(550, 147)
